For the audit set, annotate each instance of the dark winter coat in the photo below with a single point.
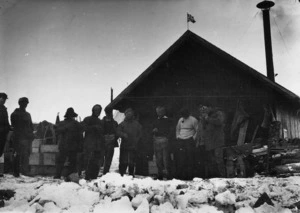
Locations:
(4, 124)
(70, 132)
(110, 128)
(133, 130)
(22, 124)
(213, 134)
(93, 136)
(163, 126)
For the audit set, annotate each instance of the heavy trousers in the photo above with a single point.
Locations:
(141, 163)
(127, 159)
(200, 161)
(162, 156)
(215, 164)
(2, 143)
(184, 158)
(63, 155)
(21, 157)
(108, 156)
(94, 160)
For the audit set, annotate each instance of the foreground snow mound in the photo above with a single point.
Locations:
(113, 193)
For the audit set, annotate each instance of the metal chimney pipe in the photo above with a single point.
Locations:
(265, 7)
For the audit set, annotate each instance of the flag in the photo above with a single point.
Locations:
(190, 18)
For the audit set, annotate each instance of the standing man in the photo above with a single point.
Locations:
(200, 153)
(93, 143)
(214, 141)
(22, 137)
(161, 136)
(110, 136)
(130, 132)
(4, 124)
(186, 132)
(70, 143)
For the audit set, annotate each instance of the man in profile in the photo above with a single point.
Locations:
(4, 124)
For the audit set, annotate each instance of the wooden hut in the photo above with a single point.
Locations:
(193, 71)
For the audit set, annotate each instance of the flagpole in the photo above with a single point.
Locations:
(187, 21)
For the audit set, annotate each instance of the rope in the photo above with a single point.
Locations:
(281, 36)
(246, 31)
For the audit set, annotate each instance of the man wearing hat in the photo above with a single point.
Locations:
(4, 124)
(70, 144)
(22, 137)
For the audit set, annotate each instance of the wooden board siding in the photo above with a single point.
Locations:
(289, 119)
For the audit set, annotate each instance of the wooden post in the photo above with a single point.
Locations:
(111, 94)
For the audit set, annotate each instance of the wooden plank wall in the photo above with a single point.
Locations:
(289, 120)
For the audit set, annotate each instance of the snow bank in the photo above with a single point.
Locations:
(113, 193)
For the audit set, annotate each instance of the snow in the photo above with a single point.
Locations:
(113, 193)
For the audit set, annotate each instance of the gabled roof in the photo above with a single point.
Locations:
(188, 35)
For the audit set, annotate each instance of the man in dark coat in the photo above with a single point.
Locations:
(130, 132)
(70, 143)
(200, 152)
(161, 137)
(214, 141)
(4, 124)
(110, 136)
(93, 143)
(22, 137)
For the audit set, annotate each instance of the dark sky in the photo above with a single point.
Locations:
(69, 52)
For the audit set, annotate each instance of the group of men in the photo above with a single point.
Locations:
(196, 149)
(21, 125)
(93, 137)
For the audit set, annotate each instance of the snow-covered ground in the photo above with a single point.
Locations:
(112, 193)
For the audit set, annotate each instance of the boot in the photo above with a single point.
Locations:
(122, 169)
(131, 170)
(16, 165)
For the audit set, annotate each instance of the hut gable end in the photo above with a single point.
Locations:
(194, 68)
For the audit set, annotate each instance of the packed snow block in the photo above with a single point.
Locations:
(42, 170)
(36, 170)
(36, 143)
(36, 159)
(49, 148)
(49, 170)
(35, 150)
(49, 159)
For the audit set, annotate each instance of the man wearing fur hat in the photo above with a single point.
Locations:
(130, 132)
(70, 144)
(22, 137)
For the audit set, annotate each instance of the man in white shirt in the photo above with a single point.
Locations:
(186, 133)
